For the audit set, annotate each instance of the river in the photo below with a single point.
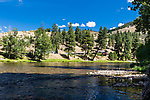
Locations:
(63, 81)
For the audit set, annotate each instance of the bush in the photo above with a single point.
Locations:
(115, 56)
(111, 56)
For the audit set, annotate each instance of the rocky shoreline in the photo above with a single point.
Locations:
(119, 74)
(146, 90)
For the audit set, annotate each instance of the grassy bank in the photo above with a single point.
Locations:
(60, 60)
(20, 60)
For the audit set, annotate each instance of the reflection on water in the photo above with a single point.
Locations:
(61, 81)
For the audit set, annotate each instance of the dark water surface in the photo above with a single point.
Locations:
(62, 81)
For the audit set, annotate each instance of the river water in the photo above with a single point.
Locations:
(63, 81)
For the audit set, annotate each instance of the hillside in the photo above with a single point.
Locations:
(62, 54)
(126, 27)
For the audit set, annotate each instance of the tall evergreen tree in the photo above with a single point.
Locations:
(118, 45)
(42, 44)
(70, 41)
(109, 41)
(135, 43)
(87, 42)
(128, 46)
(14, 46)
(55, 38)
(77, 33)
(63, 36)
(101, 40)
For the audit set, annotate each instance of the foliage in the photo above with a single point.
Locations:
(118, 44)
(102, 38)
(87, 42)
(63, 36)
(55, 38)
(14, 46)
(70, 41)
(128, 46)
(77, 33)
(42, 44)
(143, 21)
(112, 56)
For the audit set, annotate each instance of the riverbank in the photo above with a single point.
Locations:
(119, 74)
(61, 60)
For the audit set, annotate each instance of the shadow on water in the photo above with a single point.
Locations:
(58, 87)
(100, 67)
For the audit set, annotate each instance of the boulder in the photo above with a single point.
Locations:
(146, 91)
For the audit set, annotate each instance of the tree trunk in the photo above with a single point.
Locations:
(95, 54)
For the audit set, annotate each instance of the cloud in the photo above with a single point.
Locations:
(69, 24)
(75, 25)
(5, 27)
(130, 1)
(112, 28)
(20, 1)
(91, 24)
(82, 25)
(4, 0)
(122, 8)
(129, 8)
(63, 19)
(62, 26)
(120, 24)
(0, 28)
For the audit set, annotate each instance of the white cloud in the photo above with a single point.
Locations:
(120, 24)
(129, 8)
(5, 27)
(20, 1)
(112, 28)
(4, 0)
(69, 24)
(91, 24)
(82, 25)
(62, 26)
(0, 28)
(75, 25)
(63, 19)
(130, 1)
(122, 8)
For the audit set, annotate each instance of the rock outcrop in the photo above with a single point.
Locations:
(146, 91)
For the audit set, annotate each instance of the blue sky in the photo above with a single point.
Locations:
(91, 14)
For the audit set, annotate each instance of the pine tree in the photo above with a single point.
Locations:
(87, 42)
(77, 33)
(55, 38)
(42, 44)
(63, 36)
(135, 43)
(14, 46)
(113, 40)
(70, 41)
(128, 46)
(109, 41)
(118, 45)
(101, 40)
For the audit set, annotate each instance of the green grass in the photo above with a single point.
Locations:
(66, 60)
(140, 69)
(20, 60)
(59, 60)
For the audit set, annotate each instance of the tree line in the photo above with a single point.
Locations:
(122, 44)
